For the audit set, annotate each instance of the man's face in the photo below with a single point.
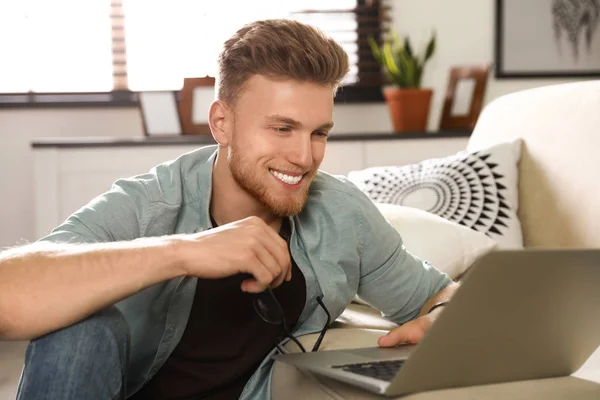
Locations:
(278, 140)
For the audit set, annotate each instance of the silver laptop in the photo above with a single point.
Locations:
(518, 315)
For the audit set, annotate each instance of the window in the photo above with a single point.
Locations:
(60, 50)
(55, 46)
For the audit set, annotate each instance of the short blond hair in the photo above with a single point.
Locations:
(279, 48)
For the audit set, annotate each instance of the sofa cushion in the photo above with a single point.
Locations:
(475, 189)
(448, 246)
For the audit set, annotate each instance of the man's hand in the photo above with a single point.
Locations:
(412, 332)
(245, 246)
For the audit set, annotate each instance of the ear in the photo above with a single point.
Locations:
(219, 119)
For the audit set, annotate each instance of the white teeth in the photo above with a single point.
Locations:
(292, 180)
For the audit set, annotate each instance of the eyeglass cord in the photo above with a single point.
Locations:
(322, 335)
(284, 322)
(293, 338)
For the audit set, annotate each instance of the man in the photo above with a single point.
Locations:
(151, 290)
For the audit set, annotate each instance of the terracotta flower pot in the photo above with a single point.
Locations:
(409, 108)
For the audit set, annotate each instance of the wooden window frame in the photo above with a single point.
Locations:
(372, 18)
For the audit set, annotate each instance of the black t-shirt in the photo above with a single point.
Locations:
(225, 340)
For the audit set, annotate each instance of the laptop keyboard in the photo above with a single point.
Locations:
(384, 370)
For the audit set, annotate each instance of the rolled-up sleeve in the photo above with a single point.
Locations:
(392, 279)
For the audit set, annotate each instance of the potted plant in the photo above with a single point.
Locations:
(407, 101)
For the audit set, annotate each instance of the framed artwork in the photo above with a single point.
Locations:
(464, 96)
(195, 98)
(547, 38)
(160, 115)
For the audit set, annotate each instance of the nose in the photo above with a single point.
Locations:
(302, 153)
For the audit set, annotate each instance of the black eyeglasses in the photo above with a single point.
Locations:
(269, 310)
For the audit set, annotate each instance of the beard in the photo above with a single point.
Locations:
(280, 204)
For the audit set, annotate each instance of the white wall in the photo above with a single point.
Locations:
(465, 35)
(18, 127)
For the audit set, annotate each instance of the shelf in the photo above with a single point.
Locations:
(87, 142)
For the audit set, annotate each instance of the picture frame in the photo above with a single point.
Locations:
(195, 98)
(464, 97)
(547, 39)
(160, 114)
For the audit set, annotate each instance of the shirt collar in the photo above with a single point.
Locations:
(205, 185)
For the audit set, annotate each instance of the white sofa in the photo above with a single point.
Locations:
(559, 197)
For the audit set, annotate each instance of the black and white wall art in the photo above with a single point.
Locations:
(547, 38)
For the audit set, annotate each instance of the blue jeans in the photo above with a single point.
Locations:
(86, 360)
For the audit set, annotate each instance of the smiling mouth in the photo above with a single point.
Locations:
(289, 179)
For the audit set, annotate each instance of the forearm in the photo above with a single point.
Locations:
(441, 296)
(45, 286)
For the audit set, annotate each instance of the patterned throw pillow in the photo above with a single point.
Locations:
(475, 189)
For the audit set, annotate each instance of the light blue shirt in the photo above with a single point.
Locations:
(340, 241)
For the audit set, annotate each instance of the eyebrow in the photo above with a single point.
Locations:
(294, 123)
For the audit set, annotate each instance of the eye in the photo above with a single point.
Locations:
(283, 129)
(323, 134)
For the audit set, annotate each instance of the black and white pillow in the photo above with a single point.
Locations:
(476, 189)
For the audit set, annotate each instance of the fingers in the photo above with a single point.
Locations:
(262, 253)
(266, 260)
(279, 250)
(411, 332)
(288, 276)
(252, 286)
(245, 246)
(279, 261)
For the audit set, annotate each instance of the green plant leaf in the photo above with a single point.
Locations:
(407, 65)
(375, 50)
(430, 47)
(408, 47)
(389, 62)
(400, 78)
(418, 74)
(398, 59)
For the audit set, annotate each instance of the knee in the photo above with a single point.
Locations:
(102, 336)
(84, 360)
